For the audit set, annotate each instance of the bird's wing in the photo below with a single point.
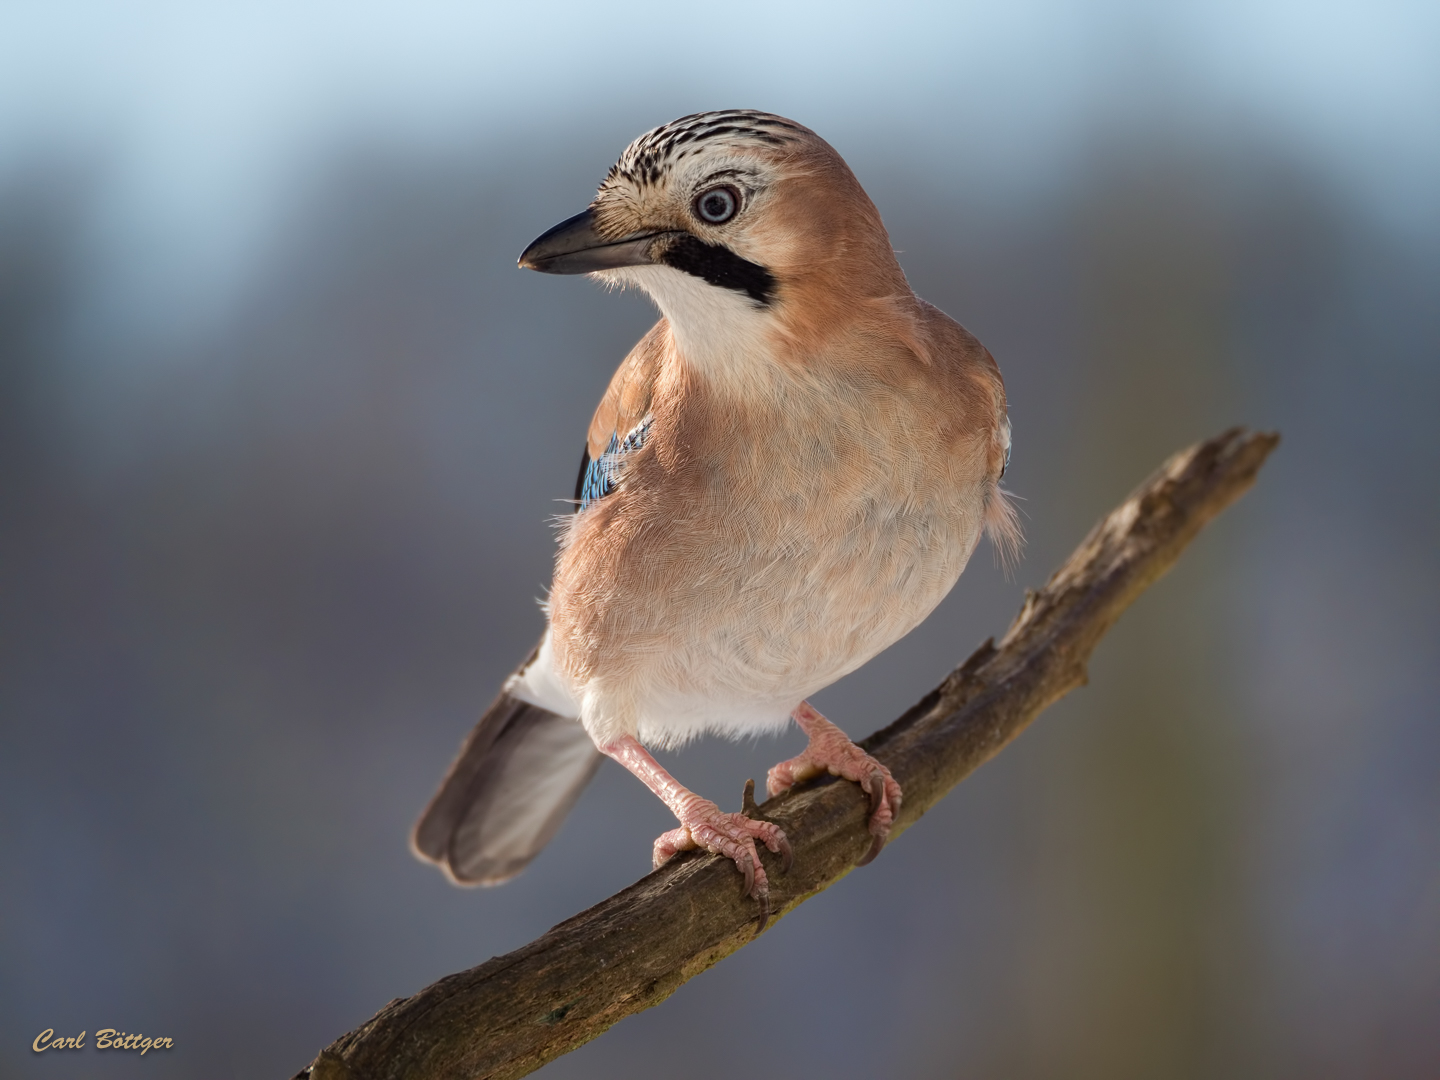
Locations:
(507, 792)
(619, 423)
(982, 386)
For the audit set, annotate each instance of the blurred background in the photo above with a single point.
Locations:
(282, 429)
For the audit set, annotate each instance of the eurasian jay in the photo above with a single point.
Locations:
(785, 476)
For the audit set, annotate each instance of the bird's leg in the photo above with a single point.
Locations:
(830, 750)
(702, 823)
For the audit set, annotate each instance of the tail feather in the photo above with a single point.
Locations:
(506, 794)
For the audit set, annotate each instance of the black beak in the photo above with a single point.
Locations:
(574, 247)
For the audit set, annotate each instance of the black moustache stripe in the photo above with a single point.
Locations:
(721, 266)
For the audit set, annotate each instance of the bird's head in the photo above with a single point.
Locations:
(730, 220)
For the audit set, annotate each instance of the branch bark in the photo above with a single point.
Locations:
(514, 1013)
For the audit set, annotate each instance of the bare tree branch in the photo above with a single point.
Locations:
(514, 1013)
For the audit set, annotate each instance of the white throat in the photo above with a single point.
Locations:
(723, 333)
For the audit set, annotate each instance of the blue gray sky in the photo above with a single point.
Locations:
(205, 120)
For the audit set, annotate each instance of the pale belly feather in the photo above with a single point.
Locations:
(801, 622)
(721, 617)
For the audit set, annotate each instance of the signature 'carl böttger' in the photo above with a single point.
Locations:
(105, 1039)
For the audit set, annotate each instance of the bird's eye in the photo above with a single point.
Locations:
(718, 205)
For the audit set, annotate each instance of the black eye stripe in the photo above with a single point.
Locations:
(718, 265)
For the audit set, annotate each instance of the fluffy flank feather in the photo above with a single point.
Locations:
(1002, 526)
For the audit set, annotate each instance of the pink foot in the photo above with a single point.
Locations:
(705, 825)
(831, 751)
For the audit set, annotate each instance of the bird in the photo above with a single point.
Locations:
(785, 476)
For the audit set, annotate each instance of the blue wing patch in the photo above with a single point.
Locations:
(601, 476)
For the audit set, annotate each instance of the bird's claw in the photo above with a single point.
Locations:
(704, 825)
(875, 785)
(751, 810)
(746, 866)
(748, 888)
(830, 751)
(885, 799)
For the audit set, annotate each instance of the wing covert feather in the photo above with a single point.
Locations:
(627, 399)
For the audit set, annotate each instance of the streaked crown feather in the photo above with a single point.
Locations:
(649, 159)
